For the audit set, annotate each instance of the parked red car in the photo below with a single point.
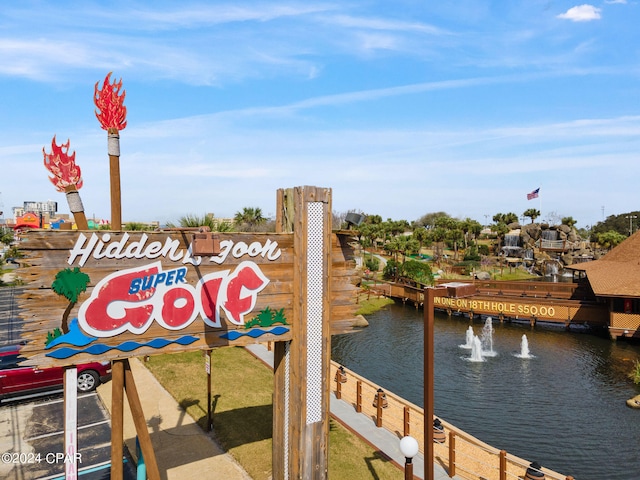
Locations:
(16, 380)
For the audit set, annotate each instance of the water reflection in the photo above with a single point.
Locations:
(564, 408)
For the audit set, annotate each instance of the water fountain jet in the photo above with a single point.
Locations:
(476, 350)
(524, 348)
(469, 338)
(487, 338)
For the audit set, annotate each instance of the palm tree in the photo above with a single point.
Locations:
(532, 213)
(207, 220)
(249, 218)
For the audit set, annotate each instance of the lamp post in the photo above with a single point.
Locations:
(409, 448)
(631, 217)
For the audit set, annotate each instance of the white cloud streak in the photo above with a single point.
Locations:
(582, 13)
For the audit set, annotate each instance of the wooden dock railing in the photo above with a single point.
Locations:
(461, 454)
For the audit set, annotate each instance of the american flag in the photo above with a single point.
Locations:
(533, 194)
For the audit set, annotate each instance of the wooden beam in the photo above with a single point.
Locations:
(140, 423)
(429, 317)
(117, 418)
(302, 383)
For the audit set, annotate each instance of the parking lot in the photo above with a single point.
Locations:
(32, 439)
(32, 427)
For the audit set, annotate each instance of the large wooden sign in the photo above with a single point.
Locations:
(108, 295)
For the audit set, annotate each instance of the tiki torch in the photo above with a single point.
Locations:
(66, 178)
(112, 115)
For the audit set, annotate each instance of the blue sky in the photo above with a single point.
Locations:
(402, 108)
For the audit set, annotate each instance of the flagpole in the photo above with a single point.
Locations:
(540, 201)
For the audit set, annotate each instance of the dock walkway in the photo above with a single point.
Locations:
(380, 438)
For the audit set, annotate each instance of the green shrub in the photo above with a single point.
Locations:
(417, 271)
(391, 269)
(372, 263)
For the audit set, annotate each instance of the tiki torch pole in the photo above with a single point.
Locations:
(66, 178)
(112, 115)
(76, 207)
(114, 176)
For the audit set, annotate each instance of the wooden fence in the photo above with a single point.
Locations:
(461, 454)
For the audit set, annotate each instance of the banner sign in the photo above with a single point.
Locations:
(119, 294)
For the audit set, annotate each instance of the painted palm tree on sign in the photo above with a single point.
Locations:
(69, 283)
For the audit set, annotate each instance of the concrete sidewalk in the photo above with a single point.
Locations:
(363, 426)
(182, 449)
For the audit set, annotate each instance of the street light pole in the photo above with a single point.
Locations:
(409, 448)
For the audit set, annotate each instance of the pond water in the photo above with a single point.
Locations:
(563, 406)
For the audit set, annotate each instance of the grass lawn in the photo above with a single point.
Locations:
(242, 388)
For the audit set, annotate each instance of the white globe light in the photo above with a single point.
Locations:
(409, 446)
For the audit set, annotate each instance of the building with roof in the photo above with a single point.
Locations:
(615, 279)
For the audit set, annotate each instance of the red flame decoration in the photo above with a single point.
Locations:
(64, 168)
(113, 113)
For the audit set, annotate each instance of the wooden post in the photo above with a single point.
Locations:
(117, 418)
(279, 456)
(379, 394)
(429, 317)
(359, 396)
(301, 408)
(140, 423)
(209, 412)
(503, 465)
(452, 454)
(407, 422)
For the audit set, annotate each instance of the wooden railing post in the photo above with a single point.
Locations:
(503, 465)
(406, 422)
(340, 378)
(379, 394)
(452, 454)
(359, 396)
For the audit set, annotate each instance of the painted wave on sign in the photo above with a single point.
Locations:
(99, 348)
(253, 333)
(77, 338)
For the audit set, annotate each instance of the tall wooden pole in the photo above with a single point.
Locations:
(112, 115)
(429, 315)
(117, 418)
(302, 384)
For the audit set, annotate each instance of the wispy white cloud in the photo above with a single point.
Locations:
(373, 23)
(582, 13)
